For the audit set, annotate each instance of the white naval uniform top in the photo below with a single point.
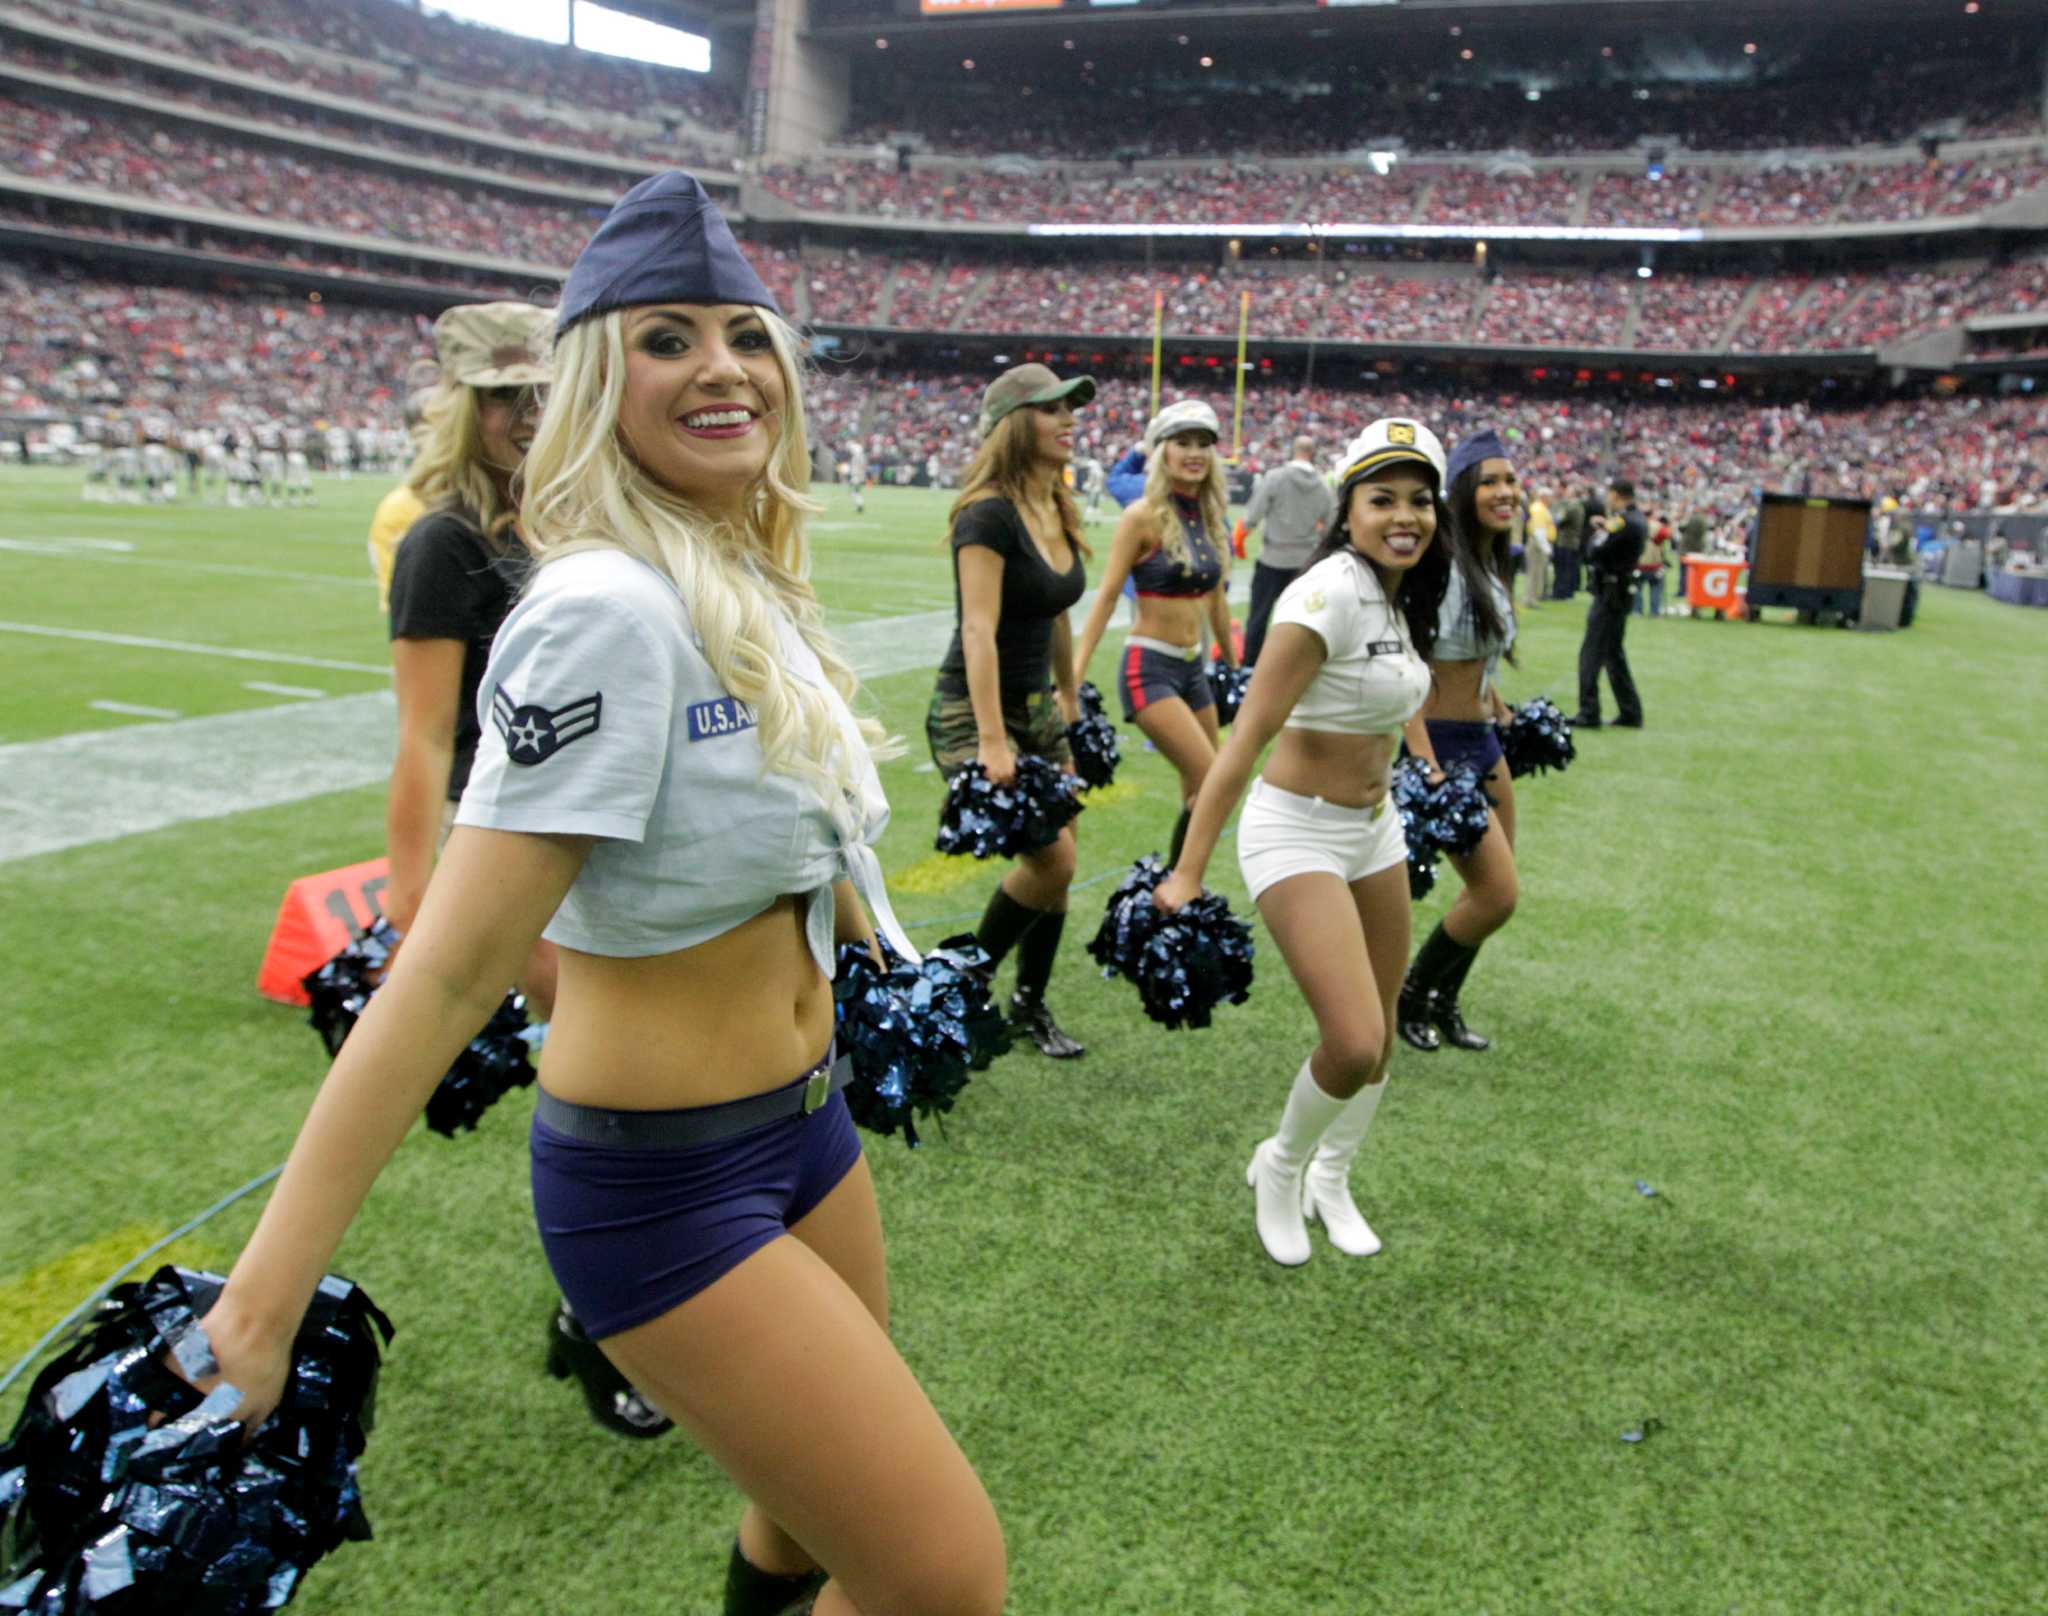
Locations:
(1371, 681)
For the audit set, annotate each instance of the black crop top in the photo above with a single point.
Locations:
(1034, 598)
(1160, 574)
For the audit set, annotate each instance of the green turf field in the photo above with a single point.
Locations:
(1779, 957)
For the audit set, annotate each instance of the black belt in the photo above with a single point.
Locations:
(699, 1125)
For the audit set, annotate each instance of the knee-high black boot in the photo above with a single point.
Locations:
(1416, 1019)
(1003, 922)
(1028, 1012)
(1180, 835)
(750, 1591)
(1450, 1021)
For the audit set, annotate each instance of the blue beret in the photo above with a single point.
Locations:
(1484, 444)
(663, 242)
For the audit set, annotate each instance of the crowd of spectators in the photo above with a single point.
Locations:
(846, 287)
(522, 103)
(74, 345)
(467, 53)
(76, 143)
(232, 251)
(1588, 311)
(1677, 199)
(1419, 193)
(303, 117)
(1710, 455)
(1470, 196)
(1881, 88)
(1691, 312)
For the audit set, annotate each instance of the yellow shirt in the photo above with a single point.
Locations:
(396, 513)
(1541, 524)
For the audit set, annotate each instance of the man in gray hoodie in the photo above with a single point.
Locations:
(1297, 505)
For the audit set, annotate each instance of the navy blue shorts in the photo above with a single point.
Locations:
(631, 1232)
(1473, 741)
(1149, 674)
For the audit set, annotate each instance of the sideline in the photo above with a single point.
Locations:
(95, 787)
(187, 648)
(75, 790)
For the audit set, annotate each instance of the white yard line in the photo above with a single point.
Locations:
(69, 551)
(78, 789)
(129, 709)
(236, 653)
(265, 687)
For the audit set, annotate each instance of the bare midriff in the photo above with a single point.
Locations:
(1455, 692)
(745, 1012)
(1173, 619)
(1348, 770)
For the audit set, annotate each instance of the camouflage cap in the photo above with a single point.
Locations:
(494, 344)
(1029, 384)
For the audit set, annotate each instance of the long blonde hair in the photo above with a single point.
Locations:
(1004, 466)
(448, 467)
(584, 491)
(1213, 497)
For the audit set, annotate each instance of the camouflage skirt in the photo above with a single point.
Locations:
(1033, 724)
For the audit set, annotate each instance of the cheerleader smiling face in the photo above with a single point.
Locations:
(1392, 517)
(704, 393)
(1496, 495)
(1052, 427)
(1187, 457)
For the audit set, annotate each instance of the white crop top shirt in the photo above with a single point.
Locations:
(601, 718)
(1371, 681)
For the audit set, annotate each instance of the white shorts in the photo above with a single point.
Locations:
(1281, 834)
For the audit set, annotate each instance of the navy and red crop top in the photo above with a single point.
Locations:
(1160, 574)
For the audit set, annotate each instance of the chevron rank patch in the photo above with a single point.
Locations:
(535, 734)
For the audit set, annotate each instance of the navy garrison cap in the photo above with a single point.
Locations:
(1484, 444)
(663, 242)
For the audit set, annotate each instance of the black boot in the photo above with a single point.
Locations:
(1440, 959)
(609, 1396)
(750, 1591)
(1029, 1016)
(1412, 1019)
(1443, 1006)
(1444, 1012)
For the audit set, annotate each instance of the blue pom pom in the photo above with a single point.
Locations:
(914, 1032)
(992, 821)
(1448, 817)
(1537, 738)
(1093, 741)
(1230, 684)
(497, 1060)
(122, 1489)
(1184, 964)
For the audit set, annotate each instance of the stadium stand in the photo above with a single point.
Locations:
(242, 220)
